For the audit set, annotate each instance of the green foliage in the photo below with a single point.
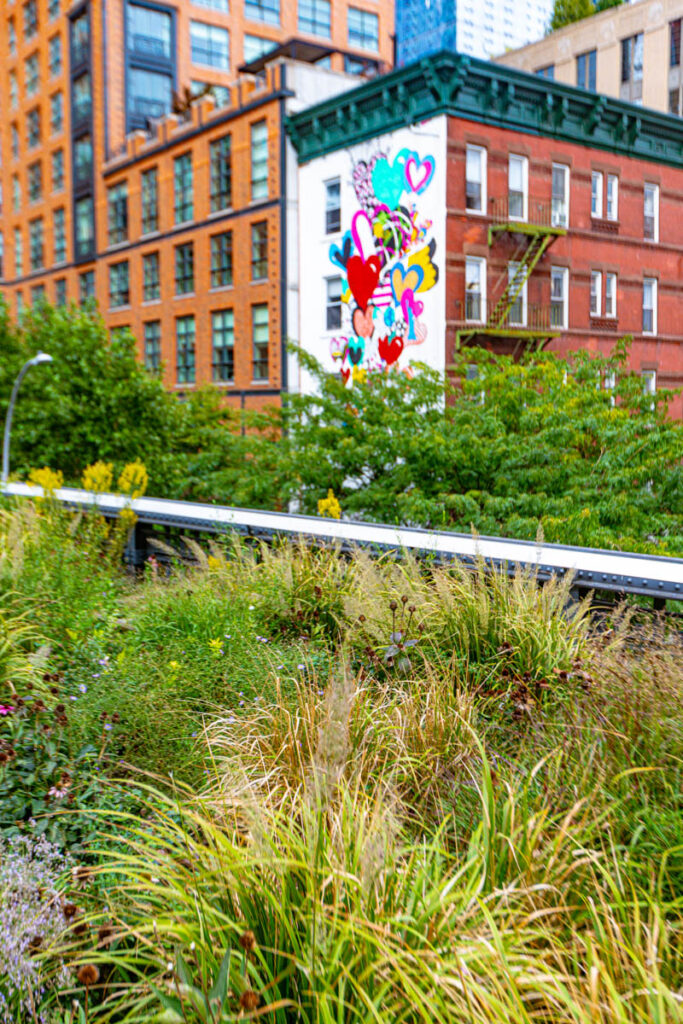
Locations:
(567, 11)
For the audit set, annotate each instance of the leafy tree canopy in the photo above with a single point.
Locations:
(567, 11)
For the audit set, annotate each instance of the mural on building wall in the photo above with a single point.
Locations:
(387, 258)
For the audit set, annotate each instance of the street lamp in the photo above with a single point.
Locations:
(41, 357)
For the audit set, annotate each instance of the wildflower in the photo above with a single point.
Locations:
(174, 665)
(47, 479)
(301, 667)
(247, 941)
(133, 479)
(249, 1000)
(329, 507)
(69, 910)
(105, 934)
(215, 646)
(108, 726)
(88, 975)
(98, 477)
(6, 709)
(251, 607)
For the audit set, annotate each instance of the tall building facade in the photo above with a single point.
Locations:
(170, 211)
(479, 28)
(561, 226)
(632, 52)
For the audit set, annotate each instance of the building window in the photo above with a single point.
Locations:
(16, 193)
(80, 38)
(596, 195)
(263, 10)
(632, 68)
(33, 128)
(149, 95)
(31, 74)
(259, 336)
(58, 170)
(363, 29)
(13, 90)
(86, 286)
(37, 294)
(150, 201)
(221, 93)
(20, 304)
(475, 289)
(596, 293)
(57, 112)
(182, 183)
(650, 305)
(184, 268)
(649, 383)
(60, 291)
(36, 243)
(82, 97)
(675, 43)
(585, 70)
(30, 18)
(475, 179)
(560, 196)
(149, 32)
(259, 160)
(612, 197)
(185, 349)
(83, 158)
(119, 289)
(256, 46)
(223, 345)
(18, 253)
(333, 306)
(517, 284)
(85, 227)
(117, 206)
(53, 9)
(55, 52)
(332, 206)
(651, 212)
(315, 18)
(150, 277)
(210, 45)
(559, 296)
(221, 260)
(547, 71)
(15, 142)
(675, 101)
(152, 337)
(11, 36)
(221, 174)
(611, 295)
(59, 228)
(213, 5)
(259, 251)
(518, 177)
(35, 182)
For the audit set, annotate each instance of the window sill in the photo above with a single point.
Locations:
(151, 302)
(603, 224)
(149, 235)
(115, 246)
(184, 295)
(607, 323)
(120, 309)
(215, 214)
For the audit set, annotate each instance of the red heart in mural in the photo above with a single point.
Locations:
(363, 323)
(363, 276)
(346, 373)
(390, 348)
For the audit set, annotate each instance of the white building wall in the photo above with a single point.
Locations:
(389, 253)
(487, 28)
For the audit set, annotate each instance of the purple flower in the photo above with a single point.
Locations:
(108, 726)
(301, 667)
(83, 688)
(6, 709)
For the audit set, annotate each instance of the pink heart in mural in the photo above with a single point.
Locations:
(420, 334)
(419, 173)
(363, 323)
(361, 225)
(390, 348)
(363, 276)
(410, 304)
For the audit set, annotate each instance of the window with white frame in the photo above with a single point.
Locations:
(475, 289)
(518, 177)
(651, 212)
(612, 211)
(611, 295)
(475, 179)
(649, 382)
(332, 206)
(596, 293)
(649, 305)
(559, 296)
(596, 195)
(560, 196)
(333, 306)
(517, 285)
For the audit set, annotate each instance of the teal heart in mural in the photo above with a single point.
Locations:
(388, 181)
(356, 350)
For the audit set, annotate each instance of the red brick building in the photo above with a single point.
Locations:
(562, 219)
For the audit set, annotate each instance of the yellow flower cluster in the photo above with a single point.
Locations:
(98, 477)
(329, 506)
(46, 478)
(134, 479)
(128, 518)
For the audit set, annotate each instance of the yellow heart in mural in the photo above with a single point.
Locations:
(402, 280)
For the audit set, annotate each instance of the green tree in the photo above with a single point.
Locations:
(567, 11)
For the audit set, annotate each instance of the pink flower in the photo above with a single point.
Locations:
(6, 709)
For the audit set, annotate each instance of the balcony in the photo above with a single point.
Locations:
(517, 214)
(521, 320)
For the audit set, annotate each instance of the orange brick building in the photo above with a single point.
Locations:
(175, 223)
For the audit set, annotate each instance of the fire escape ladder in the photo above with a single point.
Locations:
(538, 244)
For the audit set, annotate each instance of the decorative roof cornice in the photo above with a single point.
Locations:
(477, 90)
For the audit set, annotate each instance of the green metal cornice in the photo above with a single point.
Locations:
(477, 90)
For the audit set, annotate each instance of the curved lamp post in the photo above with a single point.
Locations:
(41, 357)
